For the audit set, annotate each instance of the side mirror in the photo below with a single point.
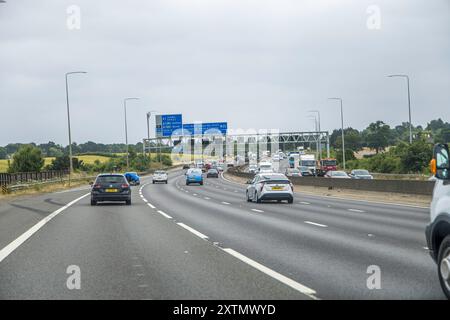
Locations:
(440, 165)
(91, 183)
(249, 182)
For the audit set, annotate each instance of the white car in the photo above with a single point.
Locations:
(252, 168)
(159, 176)
(265, 167)
(438, 231)
(270, 186)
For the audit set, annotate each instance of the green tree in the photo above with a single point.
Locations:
(3, 153)
(415, 157)
(63, 163)
(27, 159)
(377, 135)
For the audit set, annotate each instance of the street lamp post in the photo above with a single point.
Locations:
(313, 117)
(68, 122)
(320, 142)
(126, 129)
(342, 130)
(149, 115)
(409, 101)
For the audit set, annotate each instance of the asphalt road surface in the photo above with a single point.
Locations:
(206, 242)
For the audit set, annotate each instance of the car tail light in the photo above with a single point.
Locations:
(125, 186)
(96, 186)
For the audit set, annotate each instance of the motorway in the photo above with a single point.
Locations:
(206, 242)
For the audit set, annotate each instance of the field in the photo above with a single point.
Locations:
(88, 159)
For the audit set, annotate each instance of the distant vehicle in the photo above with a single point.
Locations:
(270, 186)
(159, 176)
(282, 155)
(219, 166)
(133, 178)
(230, 164)
(186, 166)
(212, 173)
(252, 168)
(293, 159)
(265, 167)
(293, 172)
(110, 187)
(438, 231)
(360, 174)
(308, 160)
(337, 175)
(305, 171)
(276, 157)
(194, 176)
(326, 165)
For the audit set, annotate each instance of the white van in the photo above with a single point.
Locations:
(438, 231)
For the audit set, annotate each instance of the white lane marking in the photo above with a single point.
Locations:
(225, 202)
(6, 251)
(197, 233)
(356, 210)
(426, 248)
(206, 198)
(283, 279)
(143, 286)
(145, 200)
(304, 202)
(257, 210)
(164, 214)
(194, 194)
(150, 205)
(137, 265)
(316, 224)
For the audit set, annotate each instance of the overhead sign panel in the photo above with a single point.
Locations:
(166, 124)
(202, 128)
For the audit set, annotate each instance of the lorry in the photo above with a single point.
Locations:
(293, 159)
(437, 232)
(309, 161)
(325, 165)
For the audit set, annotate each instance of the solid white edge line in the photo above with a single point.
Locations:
(197, 233)
(224, 202)
(164, 214)
(257, 210)
(316, 224)
(6, 251)
(283, 279)
(150, 205)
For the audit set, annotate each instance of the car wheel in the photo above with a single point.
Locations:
(290, 200)
(248, 198)
(187, 183)
(153, 182)
(128, 202)
(93, 202)
(166, 181)
(201, 183)
(443, 263)
(258, 200)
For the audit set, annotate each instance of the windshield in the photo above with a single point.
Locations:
(361, 172)
(308, 163)
(328, 162)
(110, 180)
(338, 173)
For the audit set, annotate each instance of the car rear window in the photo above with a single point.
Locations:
(276, 178)
(110, 179)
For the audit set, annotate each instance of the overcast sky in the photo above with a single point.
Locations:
(253, 63)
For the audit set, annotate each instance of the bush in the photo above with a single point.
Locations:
(28, 158)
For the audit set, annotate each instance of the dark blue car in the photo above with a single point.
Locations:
(132, 178)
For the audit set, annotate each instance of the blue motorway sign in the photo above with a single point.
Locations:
(202, 128)
(166, 124)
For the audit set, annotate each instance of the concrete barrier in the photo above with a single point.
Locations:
(396, 186)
